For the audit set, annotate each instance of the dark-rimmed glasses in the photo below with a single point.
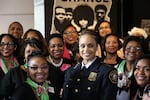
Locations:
(8, 44)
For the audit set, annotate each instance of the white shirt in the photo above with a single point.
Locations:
(89, 63)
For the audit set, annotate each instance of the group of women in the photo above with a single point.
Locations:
(31, 69)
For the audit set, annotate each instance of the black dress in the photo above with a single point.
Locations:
(12, 80)
(118, 61)
(56, 76)
(24, 93)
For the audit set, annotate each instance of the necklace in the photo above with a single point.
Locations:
(56, 65)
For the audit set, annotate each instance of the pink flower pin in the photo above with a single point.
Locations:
(64, 67)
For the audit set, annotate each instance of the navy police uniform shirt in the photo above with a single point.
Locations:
(98, 82)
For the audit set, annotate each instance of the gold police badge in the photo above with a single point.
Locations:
(92, 76)
(113, 76)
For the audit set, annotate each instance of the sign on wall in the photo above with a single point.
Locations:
(83, 14)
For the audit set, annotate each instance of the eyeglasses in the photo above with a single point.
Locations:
(71, 32)
(8, 44)
(137, 49)
(37, 67)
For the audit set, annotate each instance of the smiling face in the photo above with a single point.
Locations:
(38, 69)
(16, 30)
(142, 72)
(87, 47)
(104, 29)
(7, 46)
(112, 44)
(133, 50)
(56, 48)
(70, 35)
(29, 49)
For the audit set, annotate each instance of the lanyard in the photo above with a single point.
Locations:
(41, 90)
(4, 67)
(122, 70)
(26, 65)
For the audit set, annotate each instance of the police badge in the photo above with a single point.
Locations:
(92, 76)
(113, 76)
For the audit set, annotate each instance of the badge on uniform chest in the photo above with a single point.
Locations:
(92, 76)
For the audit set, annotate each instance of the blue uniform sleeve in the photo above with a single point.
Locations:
(109, 85)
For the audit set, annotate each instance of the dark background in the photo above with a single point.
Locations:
(125, 14)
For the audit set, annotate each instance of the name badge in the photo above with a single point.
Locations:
(51, 89)
(92, 76)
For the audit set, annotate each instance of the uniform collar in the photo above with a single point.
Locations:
(89, 63)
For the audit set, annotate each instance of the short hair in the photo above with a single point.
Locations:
(100, 7)
(16, 23)
(140, 40)
(56, 35)
(68, 9)
(67, 26)
(89, 32)
(59, 7)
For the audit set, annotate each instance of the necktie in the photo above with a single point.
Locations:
(83, 68)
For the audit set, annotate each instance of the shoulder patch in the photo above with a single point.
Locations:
(113, 76)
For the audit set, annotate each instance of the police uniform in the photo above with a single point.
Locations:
(98, 82)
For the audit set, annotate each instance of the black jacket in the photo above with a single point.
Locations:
(98, 82)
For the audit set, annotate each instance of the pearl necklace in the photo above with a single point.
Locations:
(56, 65)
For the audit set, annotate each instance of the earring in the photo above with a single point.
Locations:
(24, 60)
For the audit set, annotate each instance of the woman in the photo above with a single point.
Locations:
(90, 79)
(33, 33)
(133, 48)
(16, 77)
(8, 46)
(71, 50)
(142, 77)
(104, 28)
(58, 65)
(36, 87)
(111, 45)
(16, 29)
